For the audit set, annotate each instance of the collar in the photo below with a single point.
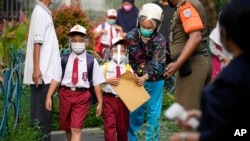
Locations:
(115, 64)
(38, 2)
(81, 57)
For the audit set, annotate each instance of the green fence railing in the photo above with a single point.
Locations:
(10, 92)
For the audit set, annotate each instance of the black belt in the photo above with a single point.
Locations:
(202, 52)
(74, 88)
(110, 94)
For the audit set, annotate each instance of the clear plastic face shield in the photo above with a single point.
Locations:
(119, 52)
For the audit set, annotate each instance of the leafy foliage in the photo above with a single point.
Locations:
(68, 16)
(13, 35)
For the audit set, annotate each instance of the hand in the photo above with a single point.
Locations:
(98, 110)
(196, 114)
(37, 76)
(188, 136)
(140, 80)
(193, 114)
(226, 60)
(48, 104)
(171, 69)
(119, 28)
(104, 31)
(113, 81)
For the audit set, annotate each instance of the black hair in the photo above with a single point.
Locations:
(235, 18)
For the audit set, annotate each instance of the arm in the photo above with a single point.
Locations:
(99, 99)
(37, 75)
(52, 88)
(119, 28)
(189, 48)
(156, 66)
(99, 31)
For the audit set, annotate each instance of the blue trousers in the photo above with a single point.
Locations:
(152, 110)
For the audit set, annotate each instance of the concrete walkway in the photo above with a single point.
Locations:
(90, 134)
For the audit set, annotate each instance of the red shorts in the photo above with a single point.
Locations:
(73, 108)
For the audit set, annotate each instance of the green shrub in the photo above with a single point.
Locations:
(23, 131)
(68, 16)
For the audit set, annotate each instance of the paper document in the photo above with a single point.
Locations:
(130, 93)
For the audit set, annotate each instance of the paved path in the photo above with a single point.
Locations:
(91, 134)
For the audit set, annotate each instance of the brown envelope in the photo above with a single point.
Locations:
(130, 93)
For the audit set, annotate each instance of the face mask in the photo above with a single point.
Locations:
(127, 8)
(111, 21)
(171, 4)
(78, 48)
(54, 1)
(146, 32)
(122, 58)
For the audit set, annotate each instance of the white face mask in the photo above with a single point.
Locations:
(122, 58)
(78, 48)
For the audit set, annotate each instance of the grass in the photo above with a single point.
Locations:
(25, 132)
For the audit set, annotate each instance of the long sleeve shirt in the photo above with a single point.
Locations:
(147, 58)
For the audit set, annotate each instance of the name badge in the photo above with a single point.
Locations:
(84, 76)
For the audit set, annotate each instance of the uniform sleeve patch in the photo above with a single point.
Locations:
(187, 12)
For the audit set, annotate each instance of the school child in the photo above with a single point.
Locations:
(74, 94)
(115, 113)
(105, 32)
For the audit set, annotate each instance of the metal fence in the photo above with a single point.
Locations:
(15, 9)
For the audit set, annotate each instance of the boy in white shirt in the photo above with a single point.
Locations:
(74, 94)
(115, 113)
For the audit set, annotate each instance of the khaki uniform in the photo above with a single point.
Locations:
(190, 16)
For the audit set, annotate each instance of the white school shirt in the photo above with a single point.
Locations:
(105, 38)
(42, 31)
(111, 72)
(83, 82)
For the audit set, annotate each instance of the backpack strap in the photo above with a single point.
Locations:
(64, 61)
(106, 65)
(90, 65)
(103, 26)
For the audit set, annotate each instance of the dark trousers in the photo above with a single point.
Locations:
(116, 119)
(39, 116)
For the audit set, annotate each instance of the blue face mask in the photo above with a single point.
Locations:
(111, 21)
(146, 32)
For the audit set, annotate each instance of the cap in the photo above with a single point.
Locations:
(112, 13)
(77, 29)
(119, 40)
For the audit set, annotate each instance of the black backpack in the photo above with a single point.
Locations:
(90, 65)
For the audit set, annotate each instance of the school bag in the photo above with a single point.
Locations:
(90, 65)
(97, 46)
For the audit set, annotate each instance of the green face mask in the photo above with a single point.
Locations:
(146, 32)
(111, 21)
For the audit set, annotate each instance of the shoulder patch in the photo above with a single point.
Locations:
(187, 12)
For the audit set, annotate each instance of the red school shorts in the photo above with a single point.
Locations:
(73, 108)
